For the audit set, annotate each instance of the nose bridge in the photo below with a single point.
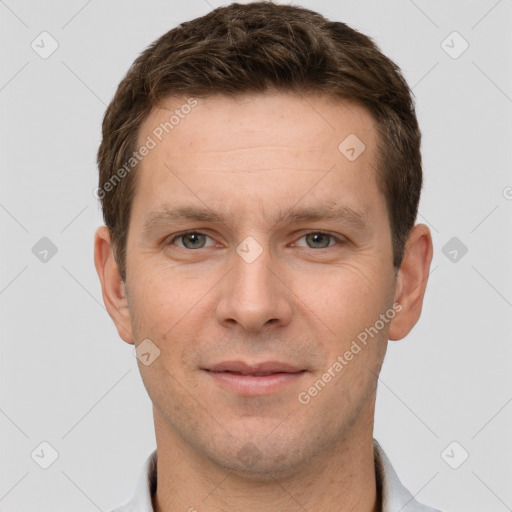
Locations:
(252, 296)
(252, 271)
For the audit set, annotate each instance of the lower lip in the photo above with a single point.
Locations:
(252, 385)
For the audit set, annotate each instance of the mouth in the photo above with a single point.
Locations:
(254, 379)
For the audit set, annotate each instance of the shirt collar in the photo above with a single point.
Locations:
(395, 497)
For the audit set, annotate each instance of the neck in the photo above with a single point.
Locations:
(339, 479)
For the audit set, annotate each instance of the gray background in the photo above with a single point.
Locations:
(69, 380)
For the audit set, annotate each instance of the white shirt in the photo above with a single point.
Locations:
(395, 497)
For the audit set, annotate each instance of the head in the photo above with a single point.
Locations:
(288, 149)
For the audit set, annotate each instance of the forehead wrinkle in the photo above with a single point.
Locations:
(292, 215)
(250, 148)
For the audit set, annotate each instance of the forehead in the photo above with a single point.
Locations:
(311, 122)
(272, 146)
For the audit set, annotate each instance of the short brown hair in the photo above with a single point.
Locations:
(251, 48)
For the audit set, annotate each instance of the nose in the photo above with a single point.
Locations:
(254, 295)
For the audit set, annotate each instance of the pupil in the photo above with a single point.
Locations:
(193, 239)
(317, 238)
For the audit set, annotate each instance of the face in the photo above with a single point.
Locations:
(259, 251)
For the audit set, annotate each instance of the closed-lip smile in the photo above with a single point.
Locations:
(251, 379)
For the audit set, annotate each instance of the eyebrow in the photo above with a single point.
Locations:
(168, 215)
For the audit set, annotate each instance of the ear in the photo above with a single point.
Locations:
(112, 286)
(411, 281)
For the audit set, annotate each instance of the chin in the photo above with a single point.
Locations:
(254, 457)
(268, 467)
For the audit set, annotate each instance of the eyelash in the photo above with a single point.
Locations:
(184, 233)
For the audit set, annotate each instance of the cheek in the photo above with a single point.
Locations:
(161, 301)
(174, 314)
(349, 299)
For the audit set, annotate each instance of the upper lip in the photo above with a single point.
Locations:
(252, 369)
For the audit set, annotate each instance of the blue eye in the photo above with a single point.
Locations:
(319, 240)
(191, 240)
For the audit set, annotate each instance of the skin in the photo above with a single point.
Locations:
(303, 300)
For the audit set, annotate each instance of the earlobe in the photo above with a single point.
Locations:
(112, 286)
(411, 281)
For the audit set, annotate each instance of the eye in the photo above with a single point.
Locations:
(318, 240)
(191, 240)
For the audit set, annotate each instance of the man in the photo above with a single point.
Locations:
(260, 173)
